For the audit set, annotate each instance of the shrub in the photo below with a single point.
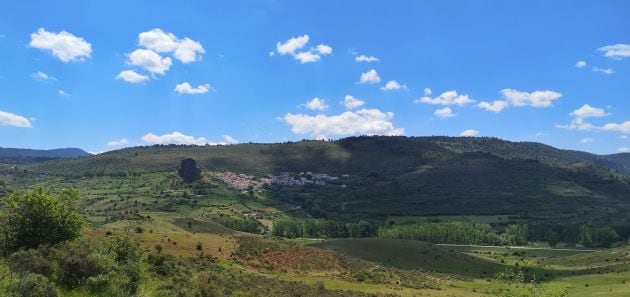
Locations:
(35, 285)
(30, 261)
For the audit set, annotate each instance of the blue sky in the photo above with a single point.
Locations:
(101, 75)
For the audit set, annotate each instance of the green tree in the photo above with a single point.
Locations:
(189, 171)
(39, 217)
(515, 234)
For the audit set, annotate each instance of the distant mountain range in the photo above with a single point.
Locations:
(25, 156)
(403, 175)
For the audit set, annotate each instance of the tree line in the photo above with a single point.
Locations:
(320, 228)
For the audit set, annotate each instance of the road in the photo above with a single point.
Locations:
(515, 247)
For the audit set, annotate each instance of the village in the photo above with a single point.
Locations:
(245, 182)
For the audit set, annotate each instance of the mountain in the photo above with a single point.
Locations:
(403, 175)
(24, 156)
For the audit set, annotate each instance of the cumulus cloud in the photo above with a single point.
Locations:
(427, 91)
(608, 71)
(10, 119)
(369, 77)
(119, 142)
(307, 57)
(617, 127)
(511, 97)
(580, 64)
(586, 140)
(186, 88)
(158, 40)
(229, 139)
(132, 77)
(173, 138)
(149, 60)
(623, 150)
(41, 76)
(316, 104)
(446, 98)
(494, 106)
(587, 111)
(616, 51)
(324, 49)
(445, 112)
(180, 138)
(63, 93)
(351, 102)
(366, 59)
(360, 122)
(185, 50)
(294, 46)
(469, 133)
(393, 85)
(63, 45)
(538, 99)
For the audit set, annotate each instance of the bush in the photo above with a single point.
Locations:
(31, 261)
(77, 264)
(39, 217)
(35, 285)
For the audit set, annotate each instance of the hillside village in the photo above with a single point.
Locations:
(245, 182)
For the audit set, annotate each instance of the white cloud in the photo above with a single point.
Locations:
(149, 60)
(120, 142)
(393, 85)
(608, 71)
(173, 138)
(469, 133)
(42, 76)
(294, 45)
(316, 104)
(186, 88)
(229, 139)
(351, 102)
(360, 122)
(63, 93)
(427, 91)
(587, 111)
(10, 119)
(324, 49)
(580, 64)
(578, 124)
(307, 57)
(63, 45)
(367, 59)
(616, 51)
(158, 40)
(538, 99)
(615, 127)
(180, 138)
(623, 150)
(586, 140)
(494, 106)
(446, 98)
(271, 54)
(185, 50)
(445, 112)
(132, 77)
(369, 77)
